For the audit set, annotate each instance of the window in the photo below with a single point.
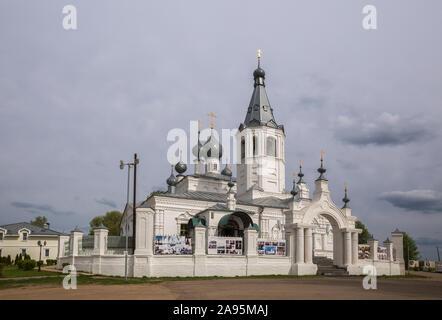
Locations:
(46, 252)
(255, 145)
(184, 230)
(23, 252)
(271, 147)
(1, 235)
(25, 236)
(243, 149)
(215, 166)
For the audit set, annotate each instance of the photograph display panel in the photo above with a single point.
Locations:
(271, 247)
(172, 245)
(225, 245)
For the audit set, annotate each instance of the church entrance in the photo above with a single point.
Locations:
(234, 224)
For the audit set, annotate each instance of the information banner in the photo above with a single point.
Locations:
(225, 245)
(172, 245)
(269, 247)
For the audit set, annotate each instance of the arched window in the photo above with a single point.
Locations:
(271, 147)
(243, 149)
(255, 145)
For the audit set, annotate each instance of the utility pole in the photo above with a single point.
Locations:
(136, 161)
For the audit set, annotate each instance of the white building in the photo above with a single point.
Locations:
(22, 238)
(252, 211)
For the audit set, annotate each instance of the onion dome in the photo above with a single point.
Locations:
(180, 167)
(294, 191)
(196, 150)
(227, 171)
(322, 170)
(300, 174)
(172, 180)
(211, 148)
(346, 200)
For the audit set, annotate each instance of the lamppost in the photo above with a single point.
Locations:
(40, 244)
(129, 165)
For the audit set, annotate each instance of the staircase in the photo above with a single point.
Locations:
(326, 268)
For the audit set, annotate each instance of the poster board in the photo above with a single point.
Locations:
(172, 245)
(269, 247)
(363, 251)
(225, 245)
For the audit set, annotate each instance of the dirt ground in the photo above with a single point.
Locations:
(219, 289)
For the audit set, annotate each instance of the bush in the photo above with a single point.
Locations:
(51, 262)
(27, 264)
(1, 269)
(6, 260)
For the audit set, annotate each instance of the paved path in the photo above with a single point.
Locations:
(261, 289)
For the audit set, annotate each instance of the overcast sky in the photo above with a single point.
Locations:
(73, 103)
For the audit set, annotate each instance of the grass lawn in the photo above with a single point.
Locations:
(14, 272)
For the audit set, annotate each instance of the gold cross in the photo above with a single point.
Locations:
(300, 163)
(211, 115)
(259, 54)
(322, 155)
(294, 177)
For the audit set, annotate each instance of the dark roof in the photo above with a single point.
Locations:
(35, 230)
(259, 112)
(221, 197)
(215, 176)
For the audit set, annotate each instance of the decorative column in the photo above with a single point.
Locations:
(250, 242)
(354, 248)
(299, 245)
(373, 243)
(398, 244)
(347, 248)
(199, 240)
(100, 240)
(144, 232)
(76, 235)
(389, 245)
(324, 241)
(308, 246)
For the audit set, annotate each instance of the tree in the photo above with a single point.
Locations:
(110, 220)
(39, 221)
(365, 235)
(410, 249)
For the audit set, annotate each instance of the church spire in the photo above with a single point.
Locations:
(259, 113)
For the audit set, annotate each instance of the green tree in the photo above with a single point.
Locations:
(39, 221)
(365, 235)
(110, 220)
(410, 249)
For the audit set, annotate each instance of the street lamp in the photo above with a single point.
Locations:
(40, 244)
(129, 165)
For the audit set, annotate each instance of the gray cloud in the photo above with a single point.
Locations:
(386, 130)
(423, 241)
(106, 202)
(39, 208)
(425, 201)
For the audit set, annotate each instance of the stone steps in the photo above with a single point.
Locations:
(326, 268)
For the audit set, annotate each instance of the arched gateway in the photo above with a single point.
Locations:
(300, 224)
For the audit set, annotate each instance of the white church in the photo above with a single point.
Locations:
(210, 223)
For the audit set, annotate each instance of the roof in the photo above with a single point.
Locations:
(13, 228)
(259, 112)
(221, 197)
(211, 175)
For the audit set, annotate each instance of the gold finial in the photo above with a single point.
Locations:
(199, 125)
(300, 163)
(211, 115)
(294, 177)
(322, 155)
(230, 167)
(345, 184)
(259, 54)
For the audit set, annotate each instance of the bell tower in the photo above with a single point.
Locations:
(260, 143)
